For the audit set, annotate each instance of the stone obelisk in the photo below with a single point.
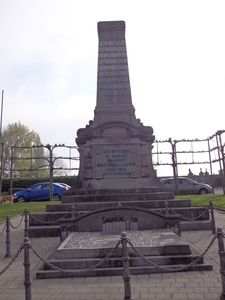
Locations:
(115, 148)
(113, 85)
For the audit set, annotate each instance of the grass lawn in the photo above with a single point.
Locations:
(203, 200)
(16, 209)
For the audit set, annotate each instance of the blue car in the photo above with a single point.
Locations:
(39, 192)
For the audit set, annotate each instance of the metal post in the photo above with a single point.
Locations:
(166, 208)
(210, 161)
(212, 216)
(8, 254)
(222, 259)
(174, 165)
(25, 223)
(51, 173)
(1, 116)
(11, 171)
(73, 211)
(221, 170)
(176, 229)
(27, 279)
(2, 156)
(223, 162)
(51, 168)
(126, 271)
(2, 165)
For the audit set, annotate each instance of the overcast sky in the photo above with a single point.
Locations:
(176, 57)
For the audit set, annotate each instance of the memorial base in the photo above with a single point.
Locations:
(81, 250)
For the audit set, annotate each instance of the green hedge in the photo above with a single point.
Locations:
(22, 183)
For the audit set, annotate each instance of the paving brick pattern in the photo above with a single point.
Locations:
(179, 285)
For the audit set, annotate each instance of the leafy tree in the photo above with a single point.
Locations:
(19, 149)
(59, 167)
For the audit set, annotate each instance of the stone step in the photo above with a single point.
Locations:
(114, 191)
(196, 225)
(100, 254)
(65, 207)
(47, 274)
(134, 261)
(44, 231)
(136, 196)
(52, 218)
(54, 230)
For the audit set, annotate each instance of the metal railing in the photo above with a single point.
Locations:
(123, 241)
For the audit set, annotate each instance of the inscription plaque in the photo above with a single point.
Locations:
(119, 224)
(123, 160)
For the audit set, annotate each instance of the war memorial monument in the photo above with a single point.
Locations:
(115, 148)
(117, 188)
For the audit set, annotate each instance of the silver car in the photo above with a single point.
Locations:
(188, 186)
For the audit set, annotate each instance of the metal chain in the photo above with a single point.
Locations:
(219, 210)
(182, 268)
(161, 211)
(15, 227)
(189, 219)
(12, 260)
(76, 211)
(172, 268)
(79, 271)
(48, 222)
(3, 229)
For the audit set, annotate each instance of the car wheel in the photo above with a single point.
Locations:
(20, 199)
(203, 191)
(56, 197)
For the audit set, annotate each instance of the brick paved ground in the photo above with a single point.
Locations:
(180, 285)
